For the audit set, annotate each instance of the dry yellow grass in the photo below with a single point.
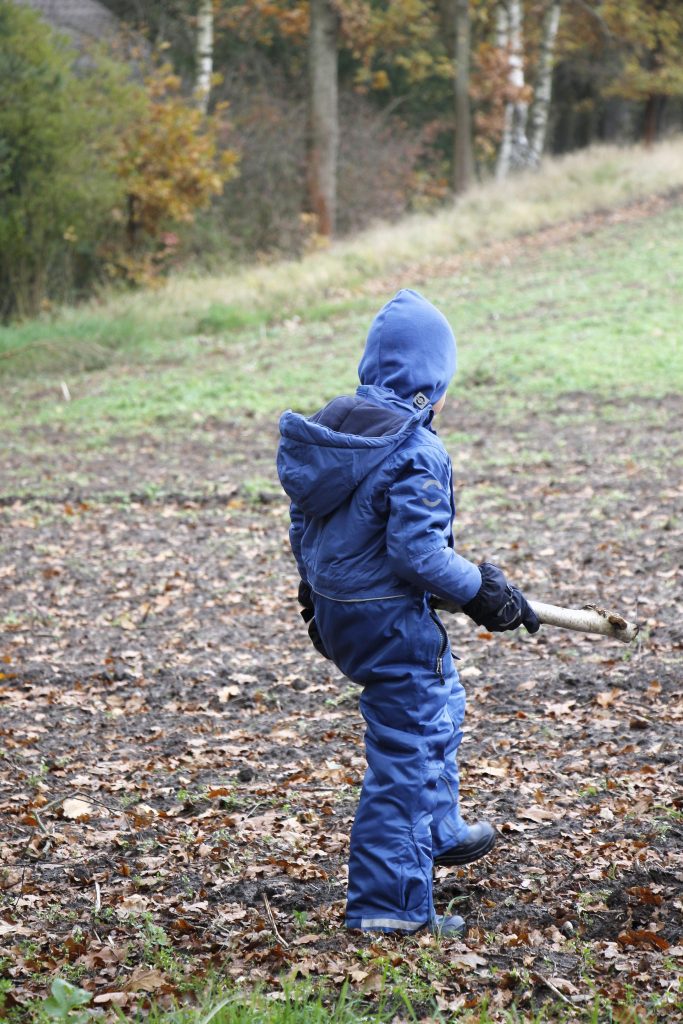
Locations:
(566, 187)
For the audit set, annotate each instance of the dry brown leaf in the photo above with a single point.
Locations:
(537, 813)
(145, 979)
(642, 937)
(75, 809)
(563, 985)
(117, 998)
(471, 960)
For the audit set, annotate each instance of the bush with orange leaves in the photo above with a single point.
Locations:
(171, 166)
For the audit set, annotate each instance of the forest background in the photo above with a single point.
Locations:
(141, 136)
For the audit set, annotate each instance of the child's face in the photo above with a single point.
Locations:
(438, 406)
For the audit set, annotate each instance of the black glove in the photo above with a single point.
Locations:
(308, 615)
(499, 606)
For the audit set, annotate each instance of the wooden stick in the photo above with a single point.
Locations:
(590, 619)
(272, 923)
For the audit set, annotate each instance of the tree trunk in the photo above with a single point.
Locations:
(204, 53)
(463, 162)
(514, 151)
(323, 115)
(540, 107)
(503, 43)
(651, 119)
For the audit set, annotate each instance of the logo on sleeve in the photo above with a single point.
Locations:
(428, 485)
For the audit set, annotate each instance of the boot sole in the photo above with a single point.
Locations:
(452, 858)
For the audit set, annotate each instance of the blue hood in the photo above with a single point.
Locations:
(322, 460)
(410, 349)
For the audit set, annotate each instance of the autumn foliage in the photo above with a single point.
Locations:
(107, 173)
(170, 166)
(96, 170)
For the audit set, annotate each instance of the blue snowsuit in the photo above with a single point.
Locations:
(371, 530)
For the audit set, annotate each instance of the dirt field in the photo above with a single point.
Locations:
(180, 769)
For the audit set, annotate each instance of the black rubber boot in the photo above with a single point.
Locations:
(480, 840)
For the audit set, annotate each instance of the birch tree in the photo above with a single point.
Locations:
(540, 107)
(514, 149)
(323, 106)
(204, 54)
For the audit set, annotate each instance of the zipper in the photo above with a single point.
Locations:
(444, 645)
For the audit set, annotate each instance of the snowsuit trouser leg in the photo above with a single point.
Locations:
(413, 715)
(448, 826)
(409, 791)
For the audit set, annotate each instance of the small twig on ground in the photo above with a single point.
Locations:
(272, 923)
(553, 988)
(253, 809)
(98, 898)
(21, 889)
(36, 815)
(59, 800)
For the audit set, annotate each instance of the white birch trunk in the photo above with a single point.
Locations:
(540, 107)
(503, 43)
(514, 152)
(204, 54)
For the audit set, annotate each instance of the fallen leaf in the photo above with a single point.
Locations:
(76, 809)
(563, 985)
(145, 979)
(642, 937)
(467, 960)
(117, 998)
(537, 813)
(7, 928)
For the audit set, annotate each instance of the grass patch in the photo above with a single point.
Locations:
(133, 326)
(304, 1003)
(221, 319)
(598, 314)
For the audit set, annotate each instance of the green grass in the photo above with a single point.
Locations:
(133, 325)
(308, 1003)
(601, 314)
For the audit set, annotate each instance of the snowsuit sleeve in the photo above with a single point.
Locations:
(296, 531)
(419, 529)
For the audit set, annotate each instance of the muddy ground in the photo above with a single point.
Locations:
(180, 769)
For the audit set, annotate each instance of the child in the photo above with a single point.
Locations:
(371, 531)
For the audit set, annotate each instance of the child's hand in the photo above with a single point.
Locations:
(498, 606)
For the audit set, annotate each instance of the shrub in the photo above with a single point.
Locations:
(95, 169)
(58, 138)
(170, 166)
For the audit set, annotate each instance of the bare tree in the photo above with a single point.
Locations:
(540, 107)
(323, 115)
(202, 89)
(463, 161)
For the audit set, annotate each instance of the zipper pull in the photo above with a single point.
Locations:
(439, 669)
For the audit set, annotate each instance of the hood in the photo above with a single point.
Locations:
(410, 349)
(322, 460)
